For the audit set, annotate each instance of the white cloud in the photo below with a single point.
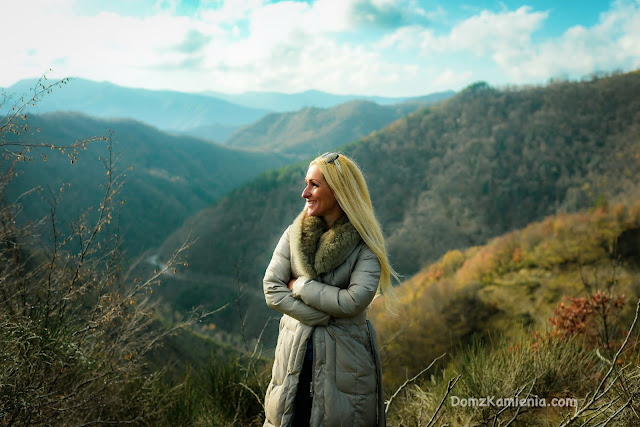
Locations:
(328, 16)
(449, 78)
(506, 39)
(613, 42)
(229, 11)
(481, 34)
(103, 46)
(406, 38)
(236, 45)
(491, 32)
(367, 46)
(293, 46)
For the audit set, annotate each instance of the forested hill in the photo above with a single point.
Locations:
(312, 131)
(513, 282)
(451, 176)
(168, 178)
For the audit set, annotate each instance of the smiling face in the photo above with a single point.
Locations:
(320, 198)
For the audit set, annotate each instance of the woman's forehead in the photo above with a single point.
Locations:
(314, 172)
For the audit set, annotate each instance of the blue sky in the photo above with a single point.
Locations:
(372, 47)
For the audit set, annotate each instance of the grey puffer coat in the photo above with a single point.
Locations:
(336, 279)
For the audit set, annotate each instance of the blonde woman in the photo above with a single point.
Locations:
(326, 269)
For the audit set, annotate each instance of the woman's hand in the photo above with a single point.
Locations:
(290, 284)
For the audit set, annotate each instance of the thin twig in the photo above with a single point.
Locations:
(520, 407)
(407, 382)
(395, 335)
(452, 383)
(616, 413)
(601, 410)
(506, 407)
(258, 398)
(597, 394)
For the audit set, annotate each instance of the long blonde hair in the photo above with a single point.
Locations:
(350, 189)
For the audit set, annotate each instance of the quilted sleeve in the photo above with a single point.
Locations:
(348, 302)
(278, 295)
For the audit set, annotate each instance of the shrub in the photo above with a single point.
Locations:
(74, 325)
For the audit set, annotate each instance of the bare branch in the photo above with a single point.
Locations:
(258, 398)
(450, 386)
(512, 420)
(409, 381)
(598, 393)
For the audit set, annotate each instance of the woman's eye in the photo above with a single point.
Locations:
(314, 184)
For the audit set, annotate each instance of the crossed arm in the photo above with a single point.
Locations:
(313, 302)
(277, 293)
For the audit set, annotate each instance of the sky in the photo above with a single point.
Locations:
(366, 47)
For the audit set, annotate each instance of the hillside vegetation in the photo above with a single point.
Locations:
(83, 341)
(168, 178)
(311, 131)
(538, 312)
(454, 175)
(511, 283)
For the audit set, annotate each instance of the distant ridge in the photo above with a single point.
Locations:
(285, 102)
(312, 130)
(166, 110)
(209, 115)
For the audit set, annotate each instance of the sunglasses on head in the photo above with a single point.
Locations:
(331, 157)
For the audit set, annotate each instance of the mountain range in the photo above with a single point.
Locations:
(445, 176)
(314, 130)
(283, 102)
(208, 115)
(175, 173)
(166, 110)
(168, 178)
(449, 176)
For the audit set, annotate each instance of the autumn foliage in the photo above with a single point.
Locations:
(515, 279)
(589, 317)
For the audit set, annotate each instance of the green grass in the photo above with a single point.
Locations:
(559, 369)
(229, 391)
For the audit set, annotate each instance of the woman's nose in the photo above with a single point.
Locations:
(306, 193)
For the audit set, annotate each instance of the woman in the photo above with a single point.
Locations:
(326, 269)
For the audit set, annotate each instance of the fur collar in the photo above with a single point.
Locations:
(320, 249)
